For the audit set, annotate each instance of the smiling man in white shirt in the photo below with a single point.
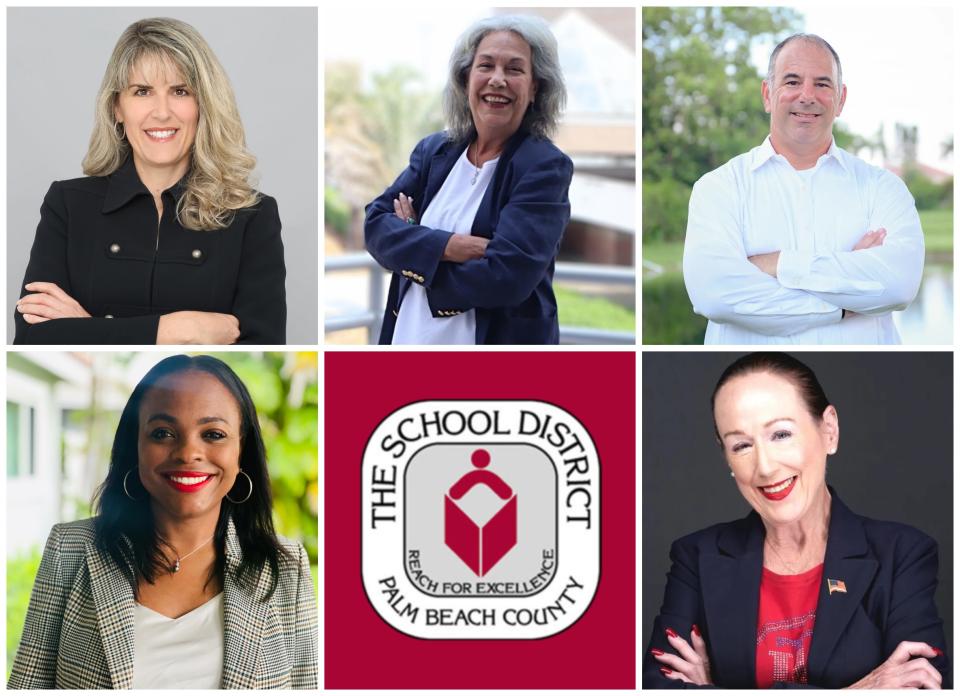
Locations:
(798, 241)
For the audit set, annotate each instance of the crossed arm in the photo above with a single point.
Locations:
(47, 301)
(908, 666)
(465, 271)
(788, 291)
(48, 312)
(909, 622)
(459, 248)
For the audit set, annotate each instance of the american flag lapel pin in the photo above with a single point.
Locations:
(836, 586)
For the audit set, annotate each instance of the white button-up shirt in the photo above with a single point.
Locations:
(758, 203)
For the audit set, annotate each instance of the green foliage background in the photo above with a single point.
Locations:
(284, 388)
(701, 107)
(701, 100)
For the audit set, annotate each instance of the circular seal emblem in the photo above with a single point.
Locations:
(481, 519)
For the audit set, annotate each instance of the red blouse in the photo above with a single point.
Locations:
(788, 608)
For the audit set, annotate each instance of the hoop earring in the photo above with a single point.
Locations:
(119, 130)
(249, 493)
(125, 485)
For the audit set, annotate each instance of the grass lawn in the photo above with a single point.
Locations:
(937, 231)
(666, 254)
(586, 312)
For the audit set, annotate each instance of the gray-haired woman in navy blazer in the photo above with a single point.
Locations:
(476, 265)
(801, 592)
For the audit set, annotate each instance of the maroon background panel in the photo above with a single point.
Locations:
(360, 649)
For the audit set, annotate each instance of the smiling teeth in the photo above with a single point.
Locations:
(779, 487)
(161, 134)
(497, 100)
(189, 480)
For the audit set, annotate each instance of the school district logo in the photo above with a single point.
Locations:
(481, 519)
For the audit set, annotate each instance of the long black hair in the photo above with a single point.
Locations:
(125, 527)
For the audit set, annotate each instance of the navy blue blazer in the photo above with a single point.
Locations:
(890, 572)
(523, 213)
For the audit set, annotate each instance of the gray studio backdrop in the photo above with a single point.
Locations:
(55, 61)
(894, 461)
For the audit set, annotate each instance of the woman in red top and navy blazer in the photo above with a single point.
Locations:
(872, 623)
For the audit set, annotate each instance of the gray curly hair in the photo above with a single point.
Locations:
(543, 115)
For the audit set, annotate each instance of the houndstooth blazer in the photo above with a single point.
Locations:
(79, 630)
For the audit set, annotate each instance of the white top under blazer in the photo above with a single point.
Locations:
(181, 653)
(453, 208)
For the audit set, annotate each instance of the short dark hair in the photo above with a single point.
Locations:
(785, 366)
(125, 528)
(809, 38)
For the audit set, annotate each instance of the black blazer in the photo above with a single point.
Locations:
(100, 241)
(523, 213)
(890, 573)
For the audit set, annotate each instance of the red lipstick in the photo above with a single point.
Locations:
(190, 481)
(779, 495)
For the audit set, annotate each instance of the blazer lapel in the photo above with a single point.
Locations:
(846, 561)
(244, 618)
(488, 214)
(114, 602)
(440, 165)
(731, 590)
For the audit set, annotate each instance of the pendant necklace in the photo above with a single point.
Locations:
(476, 167)
(175, 567)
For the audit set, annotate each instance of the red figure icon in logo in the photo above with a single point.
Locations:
(480, 548)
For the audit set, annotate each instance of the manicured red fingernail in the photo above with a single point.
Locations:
(938, 651)
(671, 633)
(696, 631)
(666, 671)
(656, 651)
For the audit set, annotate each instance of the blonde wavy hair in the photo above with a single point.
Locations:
(218, 181)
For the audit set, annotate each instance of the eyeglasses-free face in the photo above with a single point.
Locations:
(189, 445)
(159, 113)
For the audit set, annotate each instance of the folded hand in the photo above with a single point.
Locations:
(871, 239)
(198, 328)
(47, 301)
(906, 668)
(691, 664)
(403, 208)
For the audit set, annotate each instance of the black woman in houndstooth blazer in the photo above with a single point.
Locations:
(188, 462)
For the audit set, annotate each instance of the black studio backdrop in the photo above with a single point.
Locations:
(895, 459)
